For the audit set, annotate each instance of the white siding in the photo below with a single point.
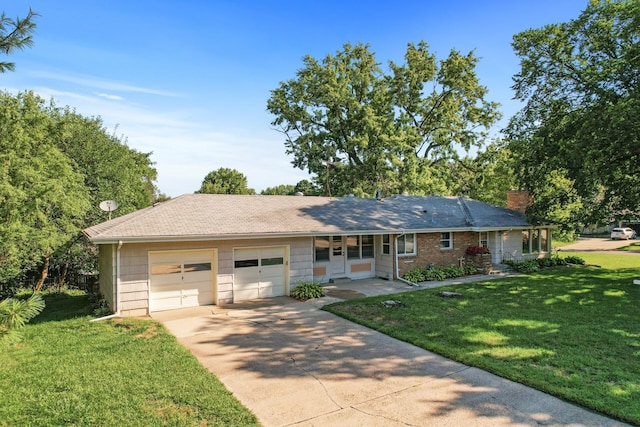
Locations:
(134, 258)
(384, 262)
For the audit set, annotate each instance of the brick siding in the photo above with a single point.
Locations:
(429, 252)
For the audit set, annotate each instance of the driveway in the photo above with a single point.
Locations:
(588, 244)
(295, 365)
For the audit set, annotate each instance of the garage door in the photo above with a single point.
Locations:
(181, 279)
(259, 273)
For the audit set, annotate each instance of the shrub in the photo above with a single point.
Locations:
(574, 260)
(307, 290)
(416, 275)
(469, 270)
(525, 266)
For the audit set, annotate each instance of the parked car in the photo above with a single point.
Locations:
(623, 233)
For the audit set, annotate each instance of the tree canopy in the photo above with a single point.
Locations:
(358, 129)
(580, 84)
(225, 181)
(55, 167)
(15, 34)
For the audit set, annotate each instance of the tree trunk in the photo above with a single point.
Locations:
(43, 273)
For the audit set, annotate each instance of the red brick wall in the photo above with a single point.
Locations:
(429, 252)
(518, 200)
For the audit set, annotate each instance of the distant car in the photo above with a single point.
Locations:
(623, 233)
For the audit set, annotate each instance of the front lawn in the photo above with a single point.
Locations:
(132, 372)
(572, 332)
(633, 247)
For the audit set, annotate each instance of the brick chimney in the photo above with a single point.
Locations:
(518, 200)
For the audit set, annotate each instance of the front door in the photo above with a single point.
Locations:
(337, 255)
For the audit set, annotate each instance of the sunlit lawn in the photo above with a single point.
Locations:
(70, 372)
(573, 332)
(633, 247)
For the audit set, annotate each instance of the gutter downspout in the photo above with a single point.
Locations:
(395, 241)
(116, 291)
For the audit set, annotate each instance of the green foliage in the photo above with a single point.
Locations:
(225, 181)
(56, 166)
(307, 290)
(578, 80)
(279, 190)
(417, 275)
(14, 315)
(572, 259)
(358, 129)
(42, 198)
(525, 267)
(15, 35)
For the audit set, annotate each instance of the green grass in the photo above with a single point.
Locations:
(633, 247)
(132, 372)
(572, 332)
(610, 261)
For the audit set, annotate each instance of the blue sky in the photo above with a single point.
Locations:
(189, 80)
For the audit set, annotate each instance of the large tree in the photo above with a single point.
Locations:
(42, 198)
(15, 34)
(225, 181)
(580, 82)
(55, 168)
(357, 129)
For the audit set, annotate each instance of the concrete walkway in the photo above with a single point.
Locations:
(295, 365)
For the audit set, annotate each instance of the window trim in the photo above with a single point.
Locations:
(483, 243)
(449, 241)
(404, 236)
(386, 245)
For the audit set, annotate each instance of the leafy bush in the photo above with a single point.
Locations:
(574, 260)
(469, 270)
(307, 290)
(416, 275)
(525, 266)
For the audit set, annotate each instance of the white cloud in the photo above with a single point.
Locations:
(98, 83)
(111, 97)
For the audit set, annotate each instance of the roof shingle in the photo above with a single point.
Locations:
(227, 216)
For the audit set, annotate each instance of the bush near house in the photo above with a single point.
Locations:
(534, 265)
(438, 273)
(307, 290)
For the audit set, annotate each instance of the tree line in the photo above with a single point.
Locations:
(357, 126)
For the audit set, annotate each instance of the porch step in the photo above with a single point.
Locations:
(339, 280)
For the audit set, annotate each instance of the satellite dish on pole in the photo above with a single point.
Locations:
(109, 206)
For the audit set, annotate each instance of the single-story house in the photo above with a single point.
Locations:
(200, 249)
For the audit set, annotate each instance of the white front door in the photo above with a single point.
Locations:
(338, 255)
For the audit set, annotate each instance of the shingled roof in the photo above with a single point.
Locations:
(221, 216)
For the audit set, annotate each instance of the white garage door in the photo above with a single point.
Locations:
(181, 279)
(259, 273)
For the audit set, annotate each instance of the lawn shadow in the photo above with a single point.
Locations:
(63, 306)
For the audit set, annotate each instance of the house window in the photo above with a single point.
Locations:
(359, 247)
(544, 240)
(407, 244)
(353, 247)
(525, 241)
(386, 244)
(484, 239)
(446, 241)
(535, 241)
(321, 248)
(367, 246)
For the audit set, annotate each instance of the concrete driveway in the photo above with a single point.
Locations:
(588, 244)
(295, 365)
